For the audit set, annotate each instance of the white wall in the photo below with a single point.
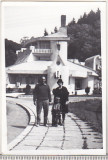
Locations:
(91, 83)
(64, 71)
(63, 50)
(54, 50)
(85, 82)
(65, 75)
(71, 86)
(7, 79)
(52, 82)
(31, 58)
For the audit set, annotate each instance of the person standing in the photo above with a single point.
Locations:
(41, 98)
(27, 89)
(63, 94)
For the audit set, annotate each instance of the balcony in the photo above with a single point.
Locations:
(44, 51)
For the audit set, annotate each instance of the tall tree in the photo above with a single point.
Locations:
(55, 30)
(45, 32)
(23, 40)
(72, 22)
(85, 36)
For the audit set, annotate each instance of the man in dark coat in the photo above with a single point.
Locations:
(42, 97)
(63, 93)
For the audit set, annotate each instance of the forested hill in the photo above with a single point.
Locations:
(85, 36)
(10, 52)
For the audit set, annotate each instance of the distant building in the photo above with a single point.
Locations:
(94, 62)
(47, 56)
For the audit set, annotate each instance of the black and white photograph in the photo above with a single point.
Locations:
(54, 60)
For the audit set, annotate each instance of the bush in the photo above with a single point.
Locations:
(87, 90)
(97, 91)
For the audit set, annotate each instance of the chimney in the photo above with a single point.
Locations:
(63, 20)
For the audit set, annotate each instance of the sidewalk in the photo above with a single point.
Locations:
(75, 134)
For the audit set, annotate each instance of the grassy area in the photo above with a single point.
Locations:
(17, 120)
(89, 111)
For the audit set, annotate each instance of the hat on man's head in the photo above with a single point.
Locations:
(59, 81)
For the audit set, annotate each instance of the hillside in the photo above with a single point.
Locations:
(10, 52)
(85, 36)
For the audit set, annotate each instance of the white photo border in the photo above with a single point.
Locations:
(3, 126)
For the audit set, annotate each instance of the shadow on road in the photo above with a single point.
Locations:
(19, 126)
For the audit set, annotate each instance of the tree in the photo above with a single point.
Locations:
(45, 32)
(85, 36)
(55, 30)
(87, 90)
(10, 52)
(72, 22)
(23, 40)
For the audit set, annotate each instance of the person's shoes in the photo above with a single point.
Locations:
(60, 124)
(46, 125)
(37, 125)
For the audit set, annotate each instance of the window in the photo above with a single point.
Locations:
(78, 84)
(12, 78)
(44, 45)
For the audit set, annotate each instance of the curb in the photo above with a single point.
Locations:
(27, 130)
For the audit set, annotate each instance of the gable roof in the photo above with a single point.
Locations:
(35, 67)
(40, 67)
(80, 68)
(93, 57)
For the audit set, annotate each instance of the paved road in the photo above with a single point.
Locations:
(75, 134)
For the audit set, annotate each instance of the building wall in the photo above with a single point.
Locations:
(71, 87)
(98, 63)
(62, 52)
(89, 63)
(65, 75)
(63, 70)
(93, 62)
(69, 82)
(91, 83)
(85, 83)
(32, 58)
(22, 80)
(51, 80)
(54, 50)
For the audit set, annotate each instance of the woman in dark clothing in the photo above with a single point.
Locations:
(63, 94)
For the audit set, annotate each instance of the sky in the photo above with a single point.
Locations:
(31, 18)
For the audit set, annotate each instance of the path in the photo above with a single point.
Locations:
(75, 134)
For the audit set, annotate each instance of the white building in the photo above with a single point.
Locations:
(47, 56)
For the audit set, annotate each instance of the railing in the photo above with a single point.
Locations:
(42, 50)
